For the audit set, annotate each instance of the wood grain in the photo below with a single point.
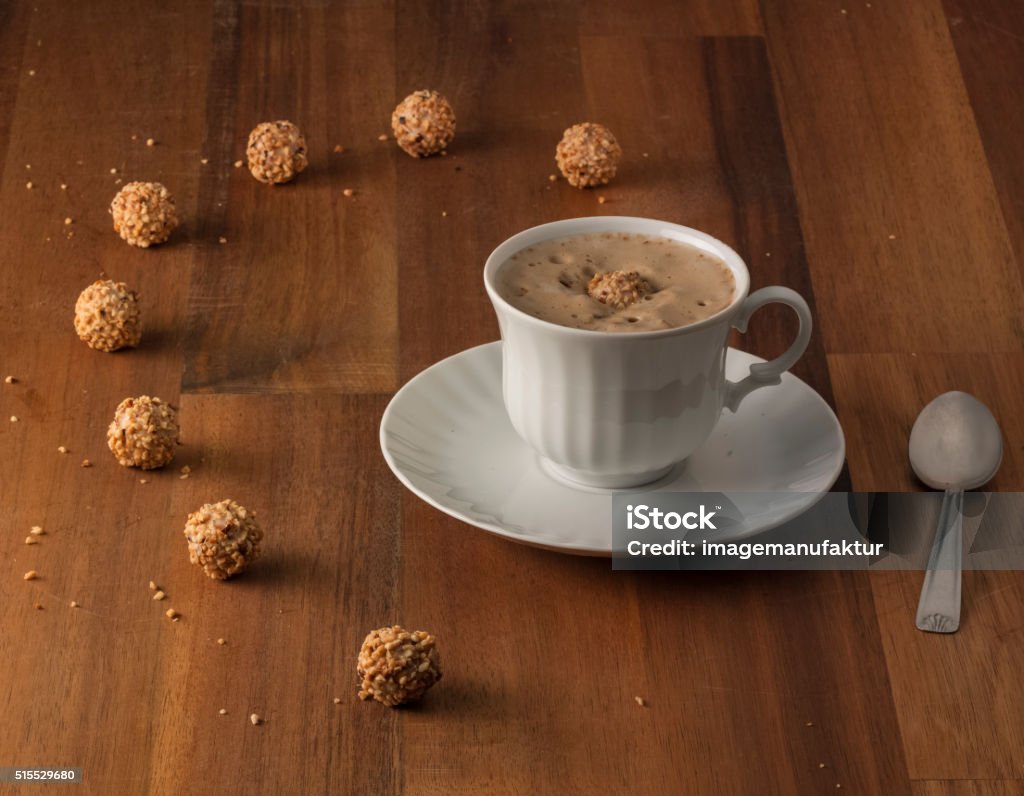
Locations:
(800, 135)
(876, 114)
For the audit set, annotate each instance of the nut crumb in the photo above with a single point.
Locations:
(36, 530)
(185, 470)
(63, 186)
(339, 148)
(30, 575)
(348, 192)
(73, 604)
(382, 137)
(644, 154)
(14, 418)
(171, 614)
(152, 586)
(221, 641)
(113, 171)
(223, 712)
(810, 724)
(29, 185)
(640, 701)
(601, 200)
(892, 237)
(222, 240)
(821, 765)
(150, 142)
(159, 595)
(10, 380)
(31, 72)
(552, 178)
(143, 481)
(256, 719)
(238, 164)
(204, 161)
(61, 449)
(444, 214)
(31, 540)
(337, 700)
(68, 221)
(86, 463)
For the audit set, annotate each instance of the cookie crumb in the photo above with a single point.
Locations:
(61, 449)
(14, 418)
(204, 161)
(892, 237)
(73, 604)
(810, 724)
(31, 540)
(222, 240)
(382, 137)
(256, 719)
(640, 701)
(63, 186)
(444, 214)
(36, 530)
(30, 575)
(337, 700)
(171, 614)
(68, 221)
(821, 765)
(31, 72)
(29, 185)
(238, 164)
(10, 380)
(143, 481)
(152, 586)
(221, 641)
(601, 200)
(223, 712)
(348, 192)
(552, 178)
(159, 595)
(150, 142)
(86, 463)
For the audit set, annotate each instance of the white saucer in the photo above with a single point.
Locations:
(446, 436)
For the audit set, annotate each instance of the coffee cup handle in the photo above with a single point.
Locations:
(763, 374)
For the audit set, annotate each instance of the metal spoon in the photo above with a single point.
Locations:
(955, 445)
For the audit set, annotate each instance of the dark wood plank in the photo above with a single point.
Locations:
(989, 41)
(907, 247)
(301, 298)
(689, 18)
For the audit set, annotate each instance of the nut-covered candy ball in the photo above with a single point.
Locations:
(223, 538)
(144, 213)
(396, 666)
(423, 123)
(276, 152)
(144, 433)
(107, 316)
(618, 289)
(588, 155)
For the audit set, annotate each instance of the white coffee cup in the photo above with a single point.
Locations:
(620, 409)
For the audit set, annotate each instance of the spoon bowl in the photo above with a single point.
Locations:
(955, 443)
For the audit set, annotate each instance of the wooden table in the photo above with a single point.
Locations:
(869, 155)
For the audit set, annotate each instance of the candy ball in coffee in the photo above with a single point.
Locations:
(144, 213)
(423, 123)
(588, 155)
(223, 538)
(396, 666)
(618, 289)
(107, 316)
(276, 152)
(144, 433)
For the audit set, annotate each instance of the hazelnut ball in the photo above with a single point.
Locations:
(144, 433)
(423, 123)
(618, 289)
(107, 316)
(396, 666)
(588, 155)
(144, 213)
(276, 152)
(223, 538)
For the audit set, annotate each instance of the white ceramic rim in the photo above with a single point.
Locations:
(628, 224)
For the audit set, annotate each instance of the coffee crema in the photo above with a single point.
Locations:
(549, 280)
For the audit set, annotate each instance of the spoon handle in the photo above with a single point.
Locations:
(939, 608)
